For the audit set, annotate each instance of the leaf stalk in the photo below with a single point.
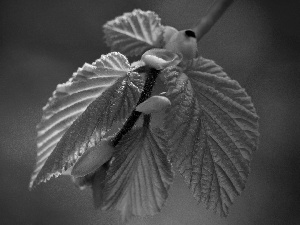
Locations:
(146, 93)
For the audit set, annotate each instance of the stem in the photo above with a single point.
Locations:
(147, 119)
(213, 14)
(146, 93)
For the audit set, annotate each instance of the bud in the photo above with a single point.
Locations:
(168, 33)
(183, 42)
(160, 58)
(93, 158)
(153, 104)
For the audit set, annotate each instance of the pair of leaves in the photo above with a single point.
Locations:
(212, 129)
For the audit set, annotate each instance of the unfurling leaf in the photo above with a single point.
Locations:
(95, 97)
(153, 104)
(161, 58)
(138, 179)
(93, 158)
(95, 181)
(98, 184)
(134, 33)
(212, 129)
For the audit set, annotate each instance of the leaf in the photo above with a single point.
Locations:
(139, 177)
(98, 184)
(212, 128)
(115, 91)
(134, 33)
(95, 181)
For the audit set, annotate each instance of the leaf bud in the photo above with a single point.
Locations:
(183, 42)
(153, 104)
(161, 58)
(93, 158)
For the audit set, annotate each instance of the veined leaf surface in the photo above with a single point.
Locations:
(108, 78)
(98, 183)
(138, 179)
(212, 128)
(134, 33)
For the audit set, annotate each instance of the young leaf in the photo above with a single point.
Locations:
(213, 130)
(95, 181)
(116, 92)
(93, 158)
(98, 184)
(134, 33)
(153, 104)
(161, 58)
(138, 179)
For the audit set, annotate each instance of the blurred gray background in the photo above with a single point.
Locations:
(44, 42)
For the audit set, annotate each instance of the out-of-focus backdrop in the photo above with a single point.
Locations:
(44, 42)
